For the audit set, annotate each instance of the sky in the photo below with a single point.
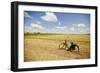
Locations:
(56, 22)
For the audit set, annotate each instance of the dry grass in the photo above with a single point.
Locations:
(43, 47)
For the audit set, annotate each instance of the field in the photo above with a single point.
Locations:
(44, 47)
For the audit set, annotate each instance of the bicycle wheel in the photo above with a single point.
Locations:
(61, 45)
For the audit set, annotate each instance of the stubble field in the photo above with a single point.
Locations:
(45, 47)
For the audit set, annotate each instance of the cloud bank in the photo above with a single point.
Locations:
(34, 28)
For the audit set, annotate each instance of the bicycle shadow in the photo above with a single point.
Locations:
(76, 52)
(63, 49)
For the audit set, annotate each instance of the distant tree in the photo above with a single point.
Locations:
(38, 32)
(27, 33)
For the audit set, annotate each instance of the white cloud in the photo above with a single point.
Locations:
(37, 26)
(84, 30)
(49, 16)
(34, 28)
(27, 15)
(72, 29)
(26, 29)
(38, 22)
(81, 25)
(61, 27)
(79, 29)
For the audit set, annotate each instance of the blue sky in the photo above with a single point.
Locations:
(56, 22)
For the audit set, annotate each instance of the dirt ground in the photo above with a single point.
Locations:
(43, 49)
